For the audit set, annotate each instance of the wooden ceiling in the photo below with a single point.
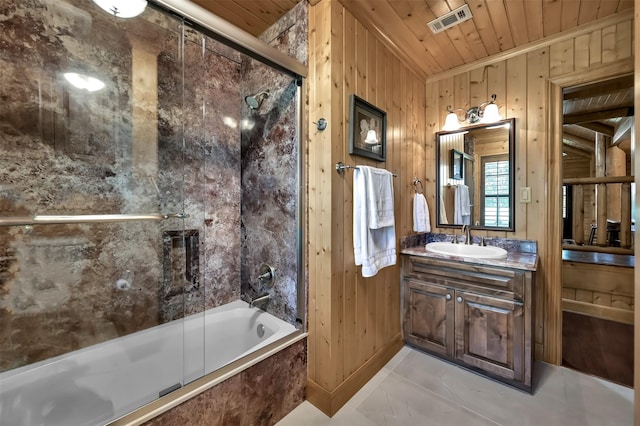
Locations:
(497, 25)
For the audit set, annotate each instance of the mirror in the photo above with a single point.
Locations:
(475, 176)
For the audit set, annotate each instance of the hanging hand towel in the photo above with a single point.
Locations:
(421, 220)
(374, 246)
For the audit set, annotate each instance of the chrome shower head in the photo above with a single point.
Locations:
(254, 101)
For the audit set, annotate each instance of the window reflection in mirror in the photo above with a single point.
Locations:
(475, 176)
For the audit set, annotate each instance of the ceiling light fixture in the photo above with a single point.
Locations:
(122, 8)
(486, 113)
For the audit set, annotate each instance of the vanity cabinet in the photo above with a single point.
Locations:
(478, 316)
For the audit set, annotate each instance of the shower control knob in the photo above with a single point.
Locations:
(266, 275)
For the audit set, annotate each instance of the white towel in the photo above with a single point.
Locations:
(379, 196)
(374, 248)
(462, 206)
(421, 220)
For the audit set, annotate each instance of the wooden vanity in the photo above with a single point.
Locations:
(476, 313)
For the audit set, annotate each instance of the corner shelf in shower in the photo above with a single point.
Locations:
(91, 218)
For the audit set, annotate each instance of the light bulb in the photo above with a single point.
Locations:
(491, 114)
(451, 122)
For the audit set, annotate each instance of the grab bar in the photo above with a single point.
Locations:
(90, 218)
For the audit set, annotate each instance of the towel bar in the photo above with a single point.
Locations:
(69, 219)
(341, 167)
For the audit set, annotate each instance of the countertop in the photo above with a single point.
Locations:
(624, 260)
(514, 260)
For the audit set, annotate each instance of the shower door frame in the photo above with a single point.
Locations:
(246, 43)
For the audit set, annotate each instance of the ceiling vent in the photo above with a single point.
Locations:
(451, 19)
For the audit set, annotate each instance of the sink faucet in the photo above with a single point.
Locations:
(467, 230)
(259, 300)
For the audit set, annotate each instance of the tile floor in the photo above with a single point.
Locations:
(415, 389)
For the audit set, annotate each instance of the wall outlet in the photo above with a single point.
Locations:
(525, 195)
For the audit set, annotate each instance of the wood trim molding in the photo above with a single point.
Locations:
(595, 73)
(534, 45)
(636, 328)
(603, 312)
(329, 402)
(553, 243)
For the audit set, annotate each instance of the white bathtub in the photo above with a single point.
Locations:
(99, 383)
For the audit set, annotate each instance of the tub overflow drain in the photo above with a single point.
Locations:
(260, 330)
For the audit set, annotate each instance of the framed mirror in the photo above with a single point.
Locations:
(476, 176)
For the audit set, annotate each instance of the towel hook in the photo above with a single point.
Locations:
(417, 181)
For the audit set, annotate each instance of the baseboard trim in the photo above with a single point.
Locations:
(329, 402)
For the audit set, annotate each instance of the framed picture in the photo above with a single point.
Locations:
(367, 130)
(457, 159)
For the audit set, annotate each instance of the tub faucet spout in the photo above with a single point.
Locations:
(259, 300)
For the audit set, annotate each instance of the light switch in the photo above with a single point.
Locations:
(525, 195)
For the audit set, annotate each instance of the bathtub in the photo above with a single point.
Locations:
(97, 384)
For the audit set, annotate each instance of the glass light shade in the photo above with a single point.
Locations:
(451, 122)
(491, 114)
(372, 138)
(80, 81)
(122, 8)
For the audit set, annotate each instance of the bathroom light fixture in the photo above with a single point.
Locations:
(81, 81)
(487, 112)
(371, 138)
(122, 8)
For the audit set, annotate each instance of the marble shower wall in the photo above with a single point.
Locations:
(270, 150)
(65, 152)
(169, 143)
(200, 140)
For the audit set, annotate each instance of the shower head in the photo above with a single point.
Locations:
(254, 101)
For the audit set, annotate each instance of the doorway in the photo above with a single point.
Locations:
(597, 251)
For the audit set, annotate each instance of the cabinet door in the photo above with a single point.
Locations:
(429, 317)
(490, 334)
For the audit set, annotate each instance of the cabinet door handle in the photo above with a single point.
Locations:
(459, 299)
(448, 297)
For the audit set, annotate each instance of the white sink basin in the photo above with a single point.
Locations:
(463, 250)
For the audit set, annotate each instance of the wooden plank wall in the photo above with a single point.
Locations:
(602, 291)
(521, 81)
(354, 323)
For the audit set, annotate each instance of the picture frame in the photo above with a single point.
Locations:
(457, 161)
(367, 130)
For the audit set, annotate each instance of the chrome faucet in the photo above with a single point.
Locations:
(259, 300)
(467, 230)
